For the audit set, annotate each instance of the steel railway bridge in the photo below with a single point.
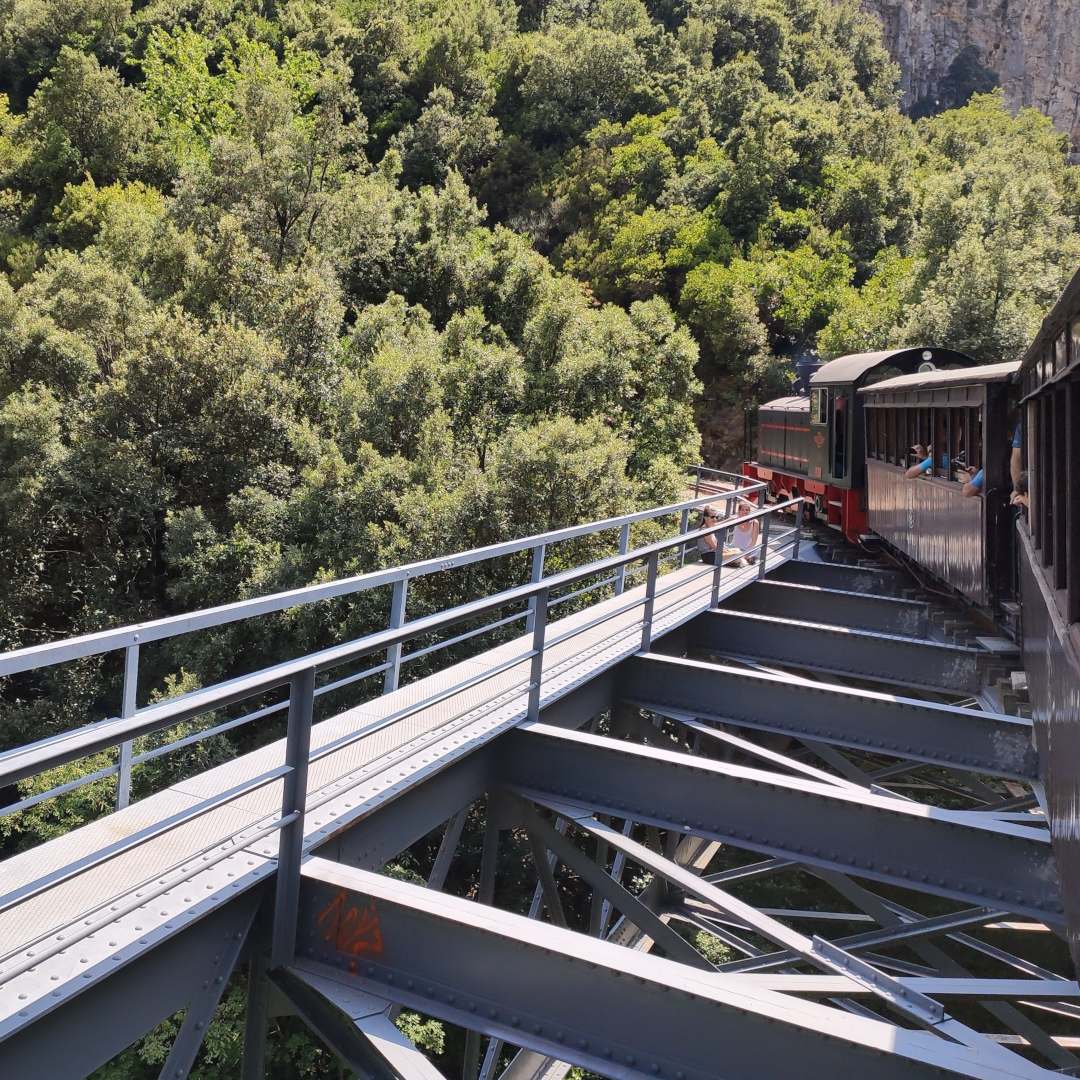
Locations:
(705, 730)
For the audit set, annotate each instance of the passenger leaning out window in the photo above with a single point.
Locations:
(925, 457)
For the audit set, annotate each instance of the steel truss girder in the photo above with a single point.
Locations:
(931, 986)
(606, 1008)
(86, 1031)
(201, 1008)
(811, 603)
(945, 735)
(354, 1025)
(887, 658)
(960, 855)
(604, 885)
(824, 955)
(396, 824)
(860, 579)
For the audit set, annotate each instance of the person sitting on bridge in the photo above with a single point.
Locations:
(743, 536)
(707, 545)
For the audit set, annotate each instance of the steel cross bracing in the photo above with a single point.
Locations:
(883, 829)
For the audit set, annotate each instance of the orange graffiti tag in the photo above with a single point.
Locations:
(351, 927)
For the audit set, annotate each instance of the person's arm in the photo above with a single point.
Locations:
(709, 541)
(974, 485)
(917, 470)
(1016, 458)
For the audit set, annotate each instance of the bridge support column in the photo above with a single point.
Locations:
(256, 1019)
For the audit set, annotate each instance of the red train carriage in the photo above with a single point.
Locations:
(813, 446)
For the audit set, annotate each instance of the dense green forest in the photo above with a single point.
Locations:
(296, 290)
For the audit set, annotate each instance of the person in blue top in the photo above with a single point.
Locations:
(1016, 460)
(974, 485)
(926, 461)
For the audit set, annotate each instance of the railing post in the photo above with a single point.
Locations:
(536, 666)
(650, 601)
(397, 618)
(535, 576)
(718, 569)
(127, 708)
(762, 555)
(624, 547)
(293, 798)
(798, 530)
(697, 481)
(684, 524)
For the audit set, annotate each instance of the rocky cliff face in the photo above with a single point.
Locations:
(949, 48)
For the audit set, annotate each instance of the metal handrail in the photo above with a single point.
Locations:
(299, 674)
(29, 760)
(131, 638)
(57, 652)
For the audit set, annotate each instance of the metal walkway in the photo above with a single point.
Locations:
(782, 718)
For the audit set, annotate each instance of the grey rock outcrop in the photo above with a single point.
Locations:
(948, 48)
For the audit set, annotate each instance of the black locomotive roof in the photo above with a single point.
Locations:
(851, 368)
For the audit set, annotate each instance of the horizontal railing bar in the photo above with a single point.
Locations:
(475, 680)
(143, 836)
(428, 649)
(419, 706)
(37, 656)
(208, 733)
(143, 894)
(29, 760)
(581, 592)
(60, 789)
(239, 721)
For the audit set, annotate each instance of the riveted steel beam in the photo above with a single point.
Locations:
(887, 658)
(200, 1010)
(354, 1025)
(85, 1031)
(945, 735)
(392, 826)
(858, 610)
(859, 579)
(931, 986)
(949, 853)
(595, 1004)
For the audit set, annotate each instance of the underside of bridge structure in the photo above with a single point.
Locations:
(792, 838)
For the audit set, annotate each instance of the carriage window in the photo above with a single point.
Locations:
(1060, 357)
(839, 436)
(926, 428)
(1071, 455)
(819, 404)
(958, 442)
